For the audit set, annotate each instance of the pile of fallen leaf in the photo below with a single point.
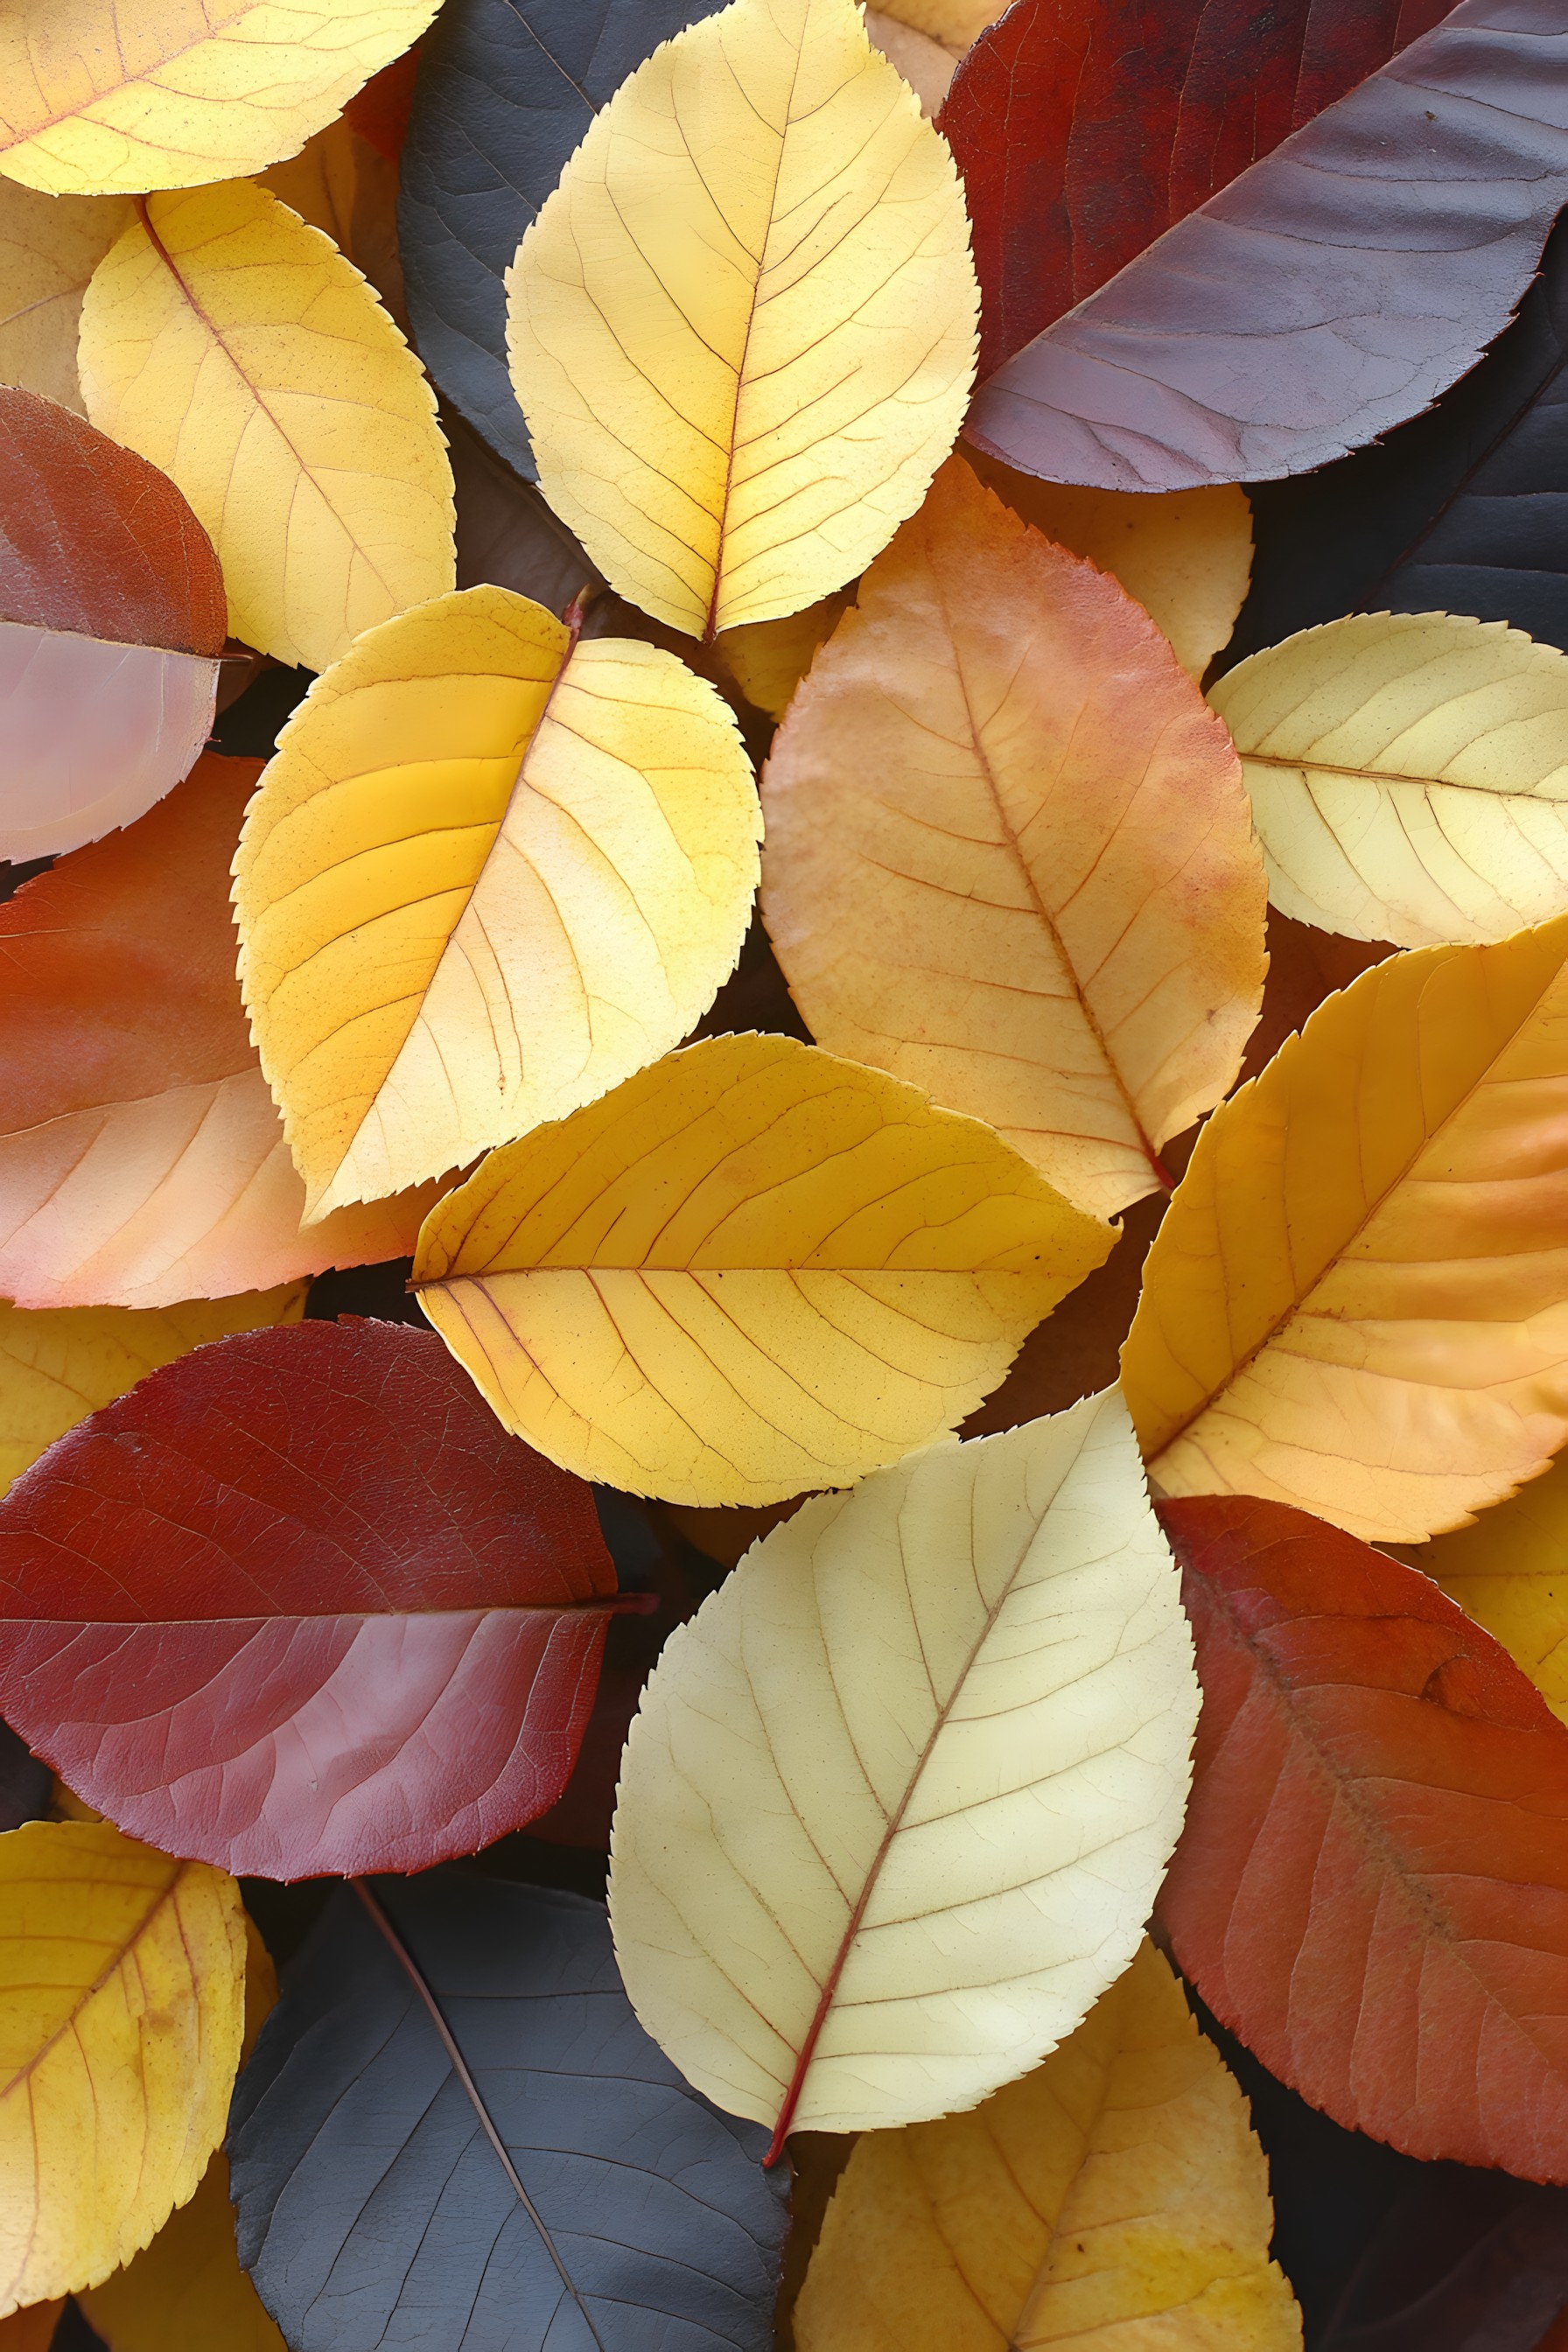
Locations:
(624, 739)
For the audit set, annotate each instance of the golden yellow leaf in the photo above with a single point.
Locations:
(928, 66)
(341, 183)
(121, 1990)
(750, 1270)
(114, 97)
(1009, 854)
(1509, 1571)
(1358, 1300)
(1115, 2197)
(1409, 775)
(186, 2291)
(742, 329)
(487, 875)
(238, 350)
(1184, 555)
(61, 1363)
(898, 1800)
(768, 659)
(49, 247)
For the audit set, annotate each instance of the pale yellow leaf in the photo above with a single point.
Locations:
(1184, 555)
(61, 1363)
(1115, 2197)
(1509, 1571)
(1357, 1302)
(742, 329)
(751, 1269)
(897, 1802)
(235, 347)
(49, 247)
(107, 97)
(1409, 775)
(485, 877)
(121, 1989)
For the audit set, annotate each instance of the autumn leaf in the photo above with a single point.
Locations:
(1116, 2191)
(490, 873)
(237, 349)
(897, 1801)
(145, 1164)
(1354, 1302)
(112, 619)
(58, 1367)
(1307, 306)
(1408, 775)
(119, 97)
(624, 2208)
(1371, 1888)
(122, 1976)
(366, 1624)
(926, 63)
(31, 2329)
(955, 23)
(768, 659)
(1009, 856)
(1506, 1571)
(1462, 2262)
(344, 184)
(751, 1269)
(49, 247)
(742, 330)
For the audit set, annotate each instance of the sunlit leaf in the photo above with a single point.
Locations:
(897, 1802)
(344, 184)
(49, 247)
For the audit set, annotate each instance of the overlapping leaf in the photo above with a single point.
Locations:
(926, 64)
(142, 1159)
(365, 1627)
(490, 874)
(1463, 2262)
(1356, 1300)
(345, 184)
(125, 95)
(112, 619)
(1371, 1888)
(1009, 854)
(873, 1856)
(49, 247)
(751, 1270)
(624, 2209)
(742, 330)
(238, 350)
(1114, 2192)
(122, 1982)
(1329, 292)
(1506, 1571)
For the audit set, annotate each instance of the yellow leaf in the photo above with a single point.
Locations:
(742, 329)
(1115, 2197)
(186, 2292)
(898, 1800)
(1009, 854)
(121, 1988)
(1358, 1300)
(1184, 555)
(238, 350)
(341, 183)
(1409, 775)
(61, 1363)
(1509, 1571)
(114, 97)
(49, 247)
(768, 658)
(750, 1270)
(485, 877)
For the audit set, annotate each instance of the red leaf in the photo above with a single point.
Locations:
(297, 1603)
(142, 1157)
(1332, 290)
(1083, 133)
(1371, 1888)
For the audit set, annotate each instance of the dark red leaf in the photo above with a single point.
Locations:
(95, 540)
(1084, 133)
(1372, 1887)
(297, 1603)
(1328, 293)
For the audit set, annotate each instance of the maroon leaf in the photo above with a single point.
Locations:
(297, 1603)
(1084, 133)
(1328, 293)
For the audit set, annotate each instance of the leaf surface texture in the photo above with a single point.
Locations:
(1506, 1571)
(49, 247)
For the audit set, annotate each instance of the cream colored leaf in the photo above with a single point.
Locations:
(104, 96)
(489, 875)
(750, 1270)
(1114, 2198)
(49, 247)
(897, 1802)
(1409, 775)
(742, 329)
(237, 349)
